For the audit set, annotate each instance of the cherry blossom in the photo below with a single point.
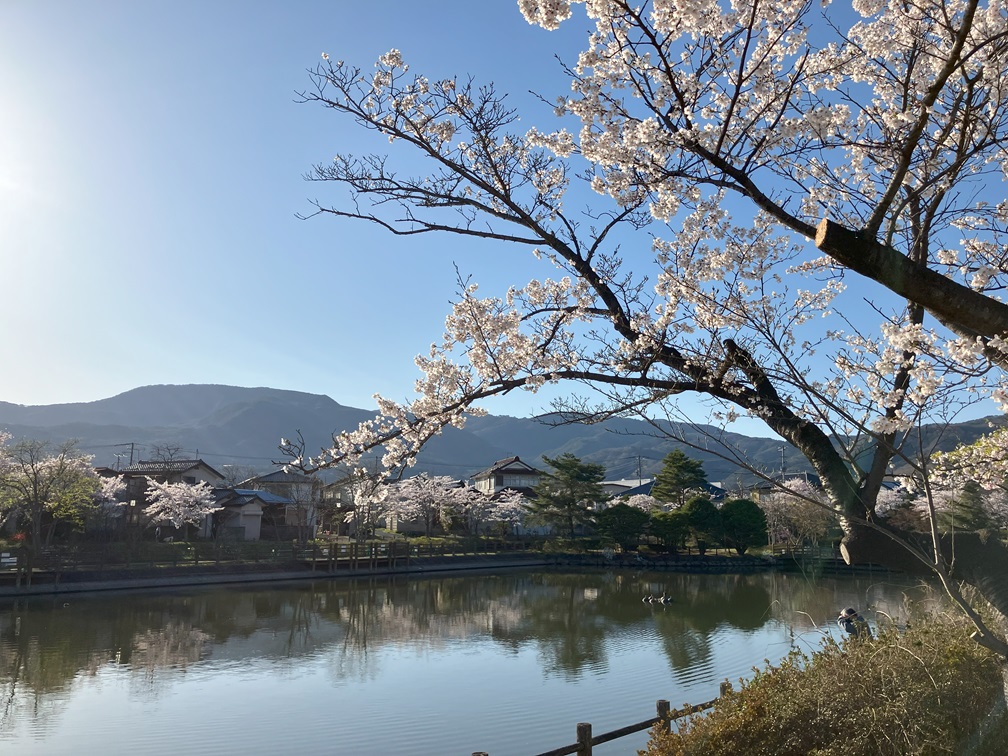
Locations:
(719, 176)
(179, 504)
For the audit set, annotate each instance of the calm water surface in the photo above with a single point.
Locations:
(507, 664)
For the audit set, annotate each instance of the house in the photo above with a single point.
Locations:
(712, 490)
(190, 471)
(293, 510)
(241, 515)
(508, 473)
(621, 487)
(136, 476)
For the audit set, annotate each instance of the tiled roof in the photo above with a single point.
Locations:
(265, 496)
(502, 464)
(168, 467)
(279, 476)
(171, 466)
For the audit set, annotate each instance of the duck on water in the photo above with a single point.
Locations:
(650, 598)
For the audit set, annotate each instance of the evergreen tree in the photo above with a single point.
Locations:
(671, 528)
(564, 496)
(623, 524)
(743, 524)
(678, 475)
(968, 511)
(704, 521)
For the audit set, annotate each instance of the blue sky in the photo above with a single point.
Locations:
(151, 161)
(150, 172)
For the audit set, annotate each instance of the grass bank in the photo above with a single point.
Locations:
(924, 689)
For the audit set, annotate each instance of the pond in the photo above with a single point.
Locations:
(506, 663)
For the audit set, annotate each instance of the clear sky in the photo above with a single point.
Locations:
(151, 161)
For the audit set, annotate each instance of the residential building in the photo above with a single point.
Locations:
(137, 475)
(242, 513)
(507, 473)
(293, 510)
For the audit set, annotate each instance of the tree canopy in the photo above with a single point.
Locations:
(623, 524)
(565, 496)
(743, 524)
(42, 485)
(679, 474)
(720, 173)
(704, 521)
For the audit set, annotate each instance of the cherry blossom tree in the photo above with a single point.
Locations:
(643, 502)
(365, 497)
(467, 507)
(509, 508)
(43, 486)
(110, 491)
(179, 504)
(426, 498)
(108, 498)
(797, 513)
(729, 169)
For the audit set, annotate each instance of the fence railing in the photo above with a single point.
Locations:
(585, 741)
(98, 557)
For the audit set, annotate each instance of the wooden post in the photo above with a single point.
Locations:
(664, 709)
(584, 739)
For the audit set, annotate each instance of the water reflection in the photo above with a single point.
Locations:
(576, 624)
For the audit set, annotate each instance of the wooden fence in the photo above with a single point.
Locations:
(586, 741)
(98, 560)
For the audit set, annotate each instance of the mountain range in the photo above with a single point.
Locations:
(230, 426)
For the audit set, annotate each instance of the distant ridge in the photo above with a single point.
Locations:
(231, 425)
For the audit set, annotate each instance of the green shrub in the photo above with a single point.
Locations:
(922, 691)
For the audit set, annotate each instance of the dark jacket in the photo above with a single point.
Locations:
(856, 626)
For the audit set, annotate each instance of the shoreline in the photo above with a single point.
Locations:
(154, 578)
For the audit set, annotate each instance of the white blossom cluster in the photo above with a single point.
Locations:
(722, 132)
(179, 504)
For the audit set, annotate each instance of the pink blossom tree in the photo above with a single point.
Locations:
(509, 508)
(42, 485)
(728, 169)
(426, 498)
(643, 502)
(179, 504)
(366, 500)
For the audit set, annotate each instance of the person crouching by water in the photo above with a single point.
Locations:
(853, 623)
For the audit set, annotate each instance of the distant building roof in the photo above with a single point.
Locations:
(279, 476)
(643, 488)
(510, 463)
(167, 467)
(264, 496)
(714, 491)
(240, 497)
(619, 487)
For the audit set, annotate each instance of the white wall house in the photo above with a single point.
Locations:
(507, 473)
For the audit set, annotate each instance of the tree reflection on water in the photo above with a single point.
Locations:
(571, 620)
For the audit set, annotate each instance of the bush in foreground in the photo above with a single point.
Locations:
(922, 691)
